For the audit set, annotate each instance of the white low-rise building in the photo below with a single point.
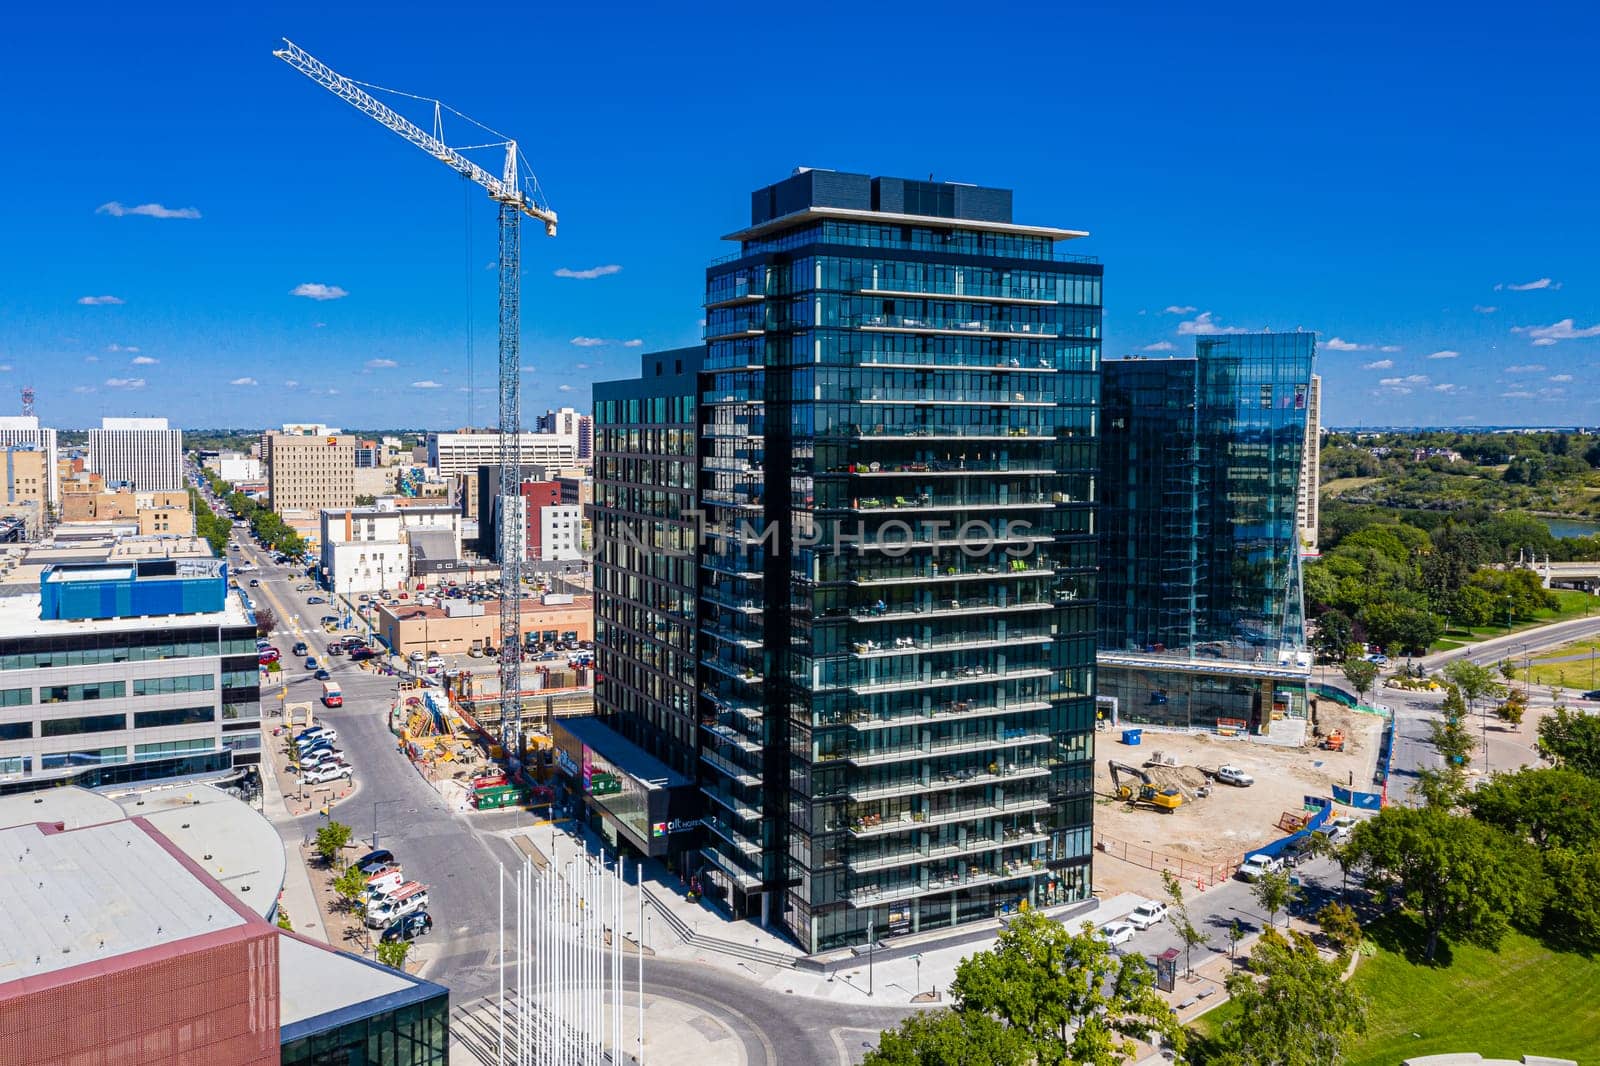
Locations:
(368, 549)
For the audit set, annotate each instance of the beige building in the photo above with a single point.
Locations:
(459, 626)
(157, 513)
(28, 477)
(306, 473)
(1307, 509)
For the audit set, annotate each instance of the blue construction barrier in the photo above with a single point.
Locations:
(1385, 752)
(1324, 811)
(1363, 801)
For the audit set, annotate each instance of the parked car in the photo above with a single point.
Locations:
(310, 600)
(254, 583)
(322, 774)
(409, 927)
(1147, 914)
(416, 657)
(1378, 659)
(411, 898)
(1339, 829)
(1232, 775)
(373, 860)
(1116, 933)
(1254, 866)
(330, 619)
(322, 675)
(358, 655)
(268, 656)
(311, 732)
(300, 648)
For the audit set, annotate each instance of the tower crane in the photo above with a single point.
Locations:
(516, 198)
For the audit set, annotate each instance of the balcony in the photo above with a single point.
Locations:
(1020, 501)
(746, 880)
(871, 649)
(969, 778)
(731, 803)
(742, 604)
(892, 613)
(862, 721)
(728, 834)
(952, 326)
(730, 735)
(879, 431)
(875, 825)
(728, 636)
(737, 671)
(916, 856)
(729, 768)
(963, 468)
(970, 676)
(728, 498)
(943, 543)
(872, 895)
(960, 397)
(995, 297)
(935, 361)
(925, 574)
(963, 746)
(730, 567)
(746, 712)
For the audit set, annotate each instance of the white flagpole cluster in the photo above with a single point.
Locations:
(568, 980)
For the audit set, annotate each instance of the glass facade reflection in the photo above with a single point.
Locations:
(1200, 551)
(896, 613)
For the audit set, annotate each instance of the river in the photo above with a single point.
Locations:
(1565, 528)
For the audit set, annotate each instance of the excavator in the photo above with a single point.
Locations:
(1165, 800)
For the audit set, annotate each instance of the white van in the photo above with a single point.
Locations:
(410, 898)
(383, 882)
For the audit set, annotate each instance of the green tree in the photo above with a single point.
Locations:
(1473, 681)
(950, 1038)
(1339, 924)
(1068, 999)
(1572, 910)
(1275, 890)
(1297, 1013)
(331, 840)
(1458, 875)
(349, 886)
(1178, 918)
(1396, 626)
(1512, 708)
(1550, 808)
(1361, 674)
(1571, 740)
(393, 953)
(1335, 631)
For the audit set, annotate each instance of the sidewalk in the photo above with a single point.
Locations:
(298, 897)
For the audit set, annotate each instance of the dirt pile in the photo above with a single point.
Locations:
(1186, 779)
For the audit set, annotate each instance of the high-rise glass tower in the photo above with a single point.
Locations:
(897, 586)
(1201, 616)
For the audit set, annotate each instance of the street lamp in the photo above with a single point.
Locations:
(870, 938)
(917, 958)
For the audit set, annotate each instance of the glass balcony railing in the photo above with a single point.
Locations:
(904, 646)
(972, 675)
(738, 671)
(727, 734)
(873, 894)
(872, 824)
(971, 291)
(960, 710)
(946, 468)
(725, 830)
(951, 361)
(900, 612)
(745, 776)
(734, 868)
(973, 845)
(924, 571)
(1007, 740)
(996, 397)
(908, 323)
(980, 431)
(971, 777)
(924, 501)
(726, 799)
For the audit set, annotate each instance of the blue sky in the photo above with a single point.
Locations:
(1416, 184)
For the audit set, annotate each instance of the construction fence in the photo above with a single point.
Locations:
(1202, 875)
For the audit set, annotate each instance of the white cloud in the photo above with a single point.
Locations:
(291, 384)
(1405, 385)
(530, 369)
(1518, 394)
(1445, 386)
(1174, 309)
(91, 359)
(1529, 286)
(1381, 364)
(82, 389)
(1445, 353)
(250, 382)
(1485, 309)
(121, 348)
(1565, 330)
(589, 274)
(6, 368)
(381, 364)
(588, 342)
(634, 343)
(426, 385)
(1390, 348)
(582, 366)
(124, 383)
(143, 360)
(1203, 325)
(318, 325)
(564, 388)
(116, 210)
(1525, 368)
(315, 290)
(1561, 377)
(1339, 344)
(1161, 346)
(99, 301)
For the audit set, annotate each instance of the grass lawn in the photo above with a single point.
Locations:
(1575, 673)
(1345, 484)
(1571, 604)
(1523, 999)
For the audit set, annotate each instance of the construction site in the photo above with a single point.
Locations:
(1164, 808)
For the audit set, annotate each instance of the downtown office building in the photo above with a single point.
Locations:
(895, 584)
(1203, 459)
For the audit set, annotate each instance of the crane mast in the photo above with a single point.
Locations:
(514, 202)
